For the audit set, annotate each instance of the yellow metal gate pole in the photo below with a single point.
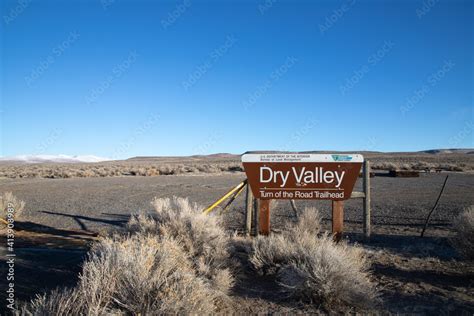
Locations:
(232, 199)
(219, 201)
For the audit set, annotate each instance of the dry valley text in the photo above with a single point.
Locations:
(302, 176)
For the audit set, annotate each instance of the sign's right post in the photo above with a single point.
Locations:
(367, 199)
(337, 219)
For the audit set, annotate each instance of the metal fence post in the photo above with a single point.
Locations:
(248, 211)
(255, 214)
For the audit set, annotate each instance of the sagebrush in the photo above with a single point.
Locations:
(203, 237)
(10, 202)
(194, 165)
(313, 268)
(174, 262)
(93, 170)
(464, 228)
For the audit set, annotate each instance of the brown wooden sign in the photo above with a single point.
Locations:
(302, 176)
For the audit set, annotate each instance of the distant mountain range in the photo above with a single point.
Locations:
(365, 152)
(450, 151)
(92, 159)
(53, 159)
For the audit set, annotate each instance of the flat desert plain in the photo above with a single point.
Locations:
(63, 217)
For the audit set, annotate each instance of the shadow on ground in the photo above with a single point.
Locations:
(408, 246)
(119, 219)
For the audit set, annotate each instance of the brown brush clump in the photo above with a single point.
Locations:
(10, 204)
(171, 263)
(464, 239)
(315, 269)
(203, 237)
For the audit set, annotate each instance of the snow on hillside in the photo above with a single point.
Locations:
(53, 158)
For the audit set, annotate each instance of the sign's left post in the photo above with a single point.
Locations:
(264, 216)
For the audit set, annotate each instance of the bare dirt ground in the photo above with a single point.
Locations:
(416, 275)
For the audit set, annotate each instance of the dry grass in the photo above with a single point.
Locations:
(147, 167)
(58, 171)
(58, 302)
(315, 269)
(421, 166)
(309, 221)
(172, 263)
(464, 239)
(10, 204)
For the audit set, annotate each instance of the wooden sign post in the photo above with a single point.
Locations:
(293, 176)
(337, 219)
(264, 217)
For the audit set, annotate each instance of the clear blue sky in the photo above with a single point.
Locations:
(124, 78)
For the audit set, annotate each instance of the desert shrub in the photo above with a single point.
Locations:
(271, 253)
(141, 171)
(173, 262)
(329, 274)
(202, 237)
(152, 276)
(7, 200)
(101, 172)
(405, 166)
(152, 172)
(308, 221)
(88, 173)
(66, 174)
(165, 170)
(385, 165)
(423, 165)
(192, 169)
(57, 302)
(208, 168)
(138, 275)
(450, 167)
(233, 167)
(464, 239)
(177, 169)
(170, 167)
(313, 268)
